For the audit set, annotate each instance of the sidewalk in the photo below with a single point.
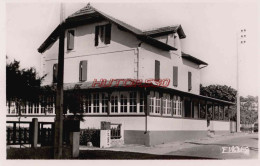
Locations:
(168, 147)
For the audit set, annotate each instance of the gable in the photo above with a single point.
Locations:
(89, 15)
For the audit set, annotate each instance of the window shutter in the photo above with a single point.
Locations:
(107, 33)
(175, 76)
(55, 73)
(157, 70)
(70, 40)
(189, 80)
(83, 65)
(96, 35)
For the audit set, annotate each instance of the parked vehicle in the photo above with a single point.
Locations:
(256, 127)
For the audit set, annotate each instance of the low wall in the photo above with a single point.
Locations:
(220, 127)
(128, 122)
(165, 123)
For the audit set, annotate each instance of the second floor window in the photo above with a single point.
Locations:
(102, 34)
(70, 39)
(55, 73)
(175, 76)
(157, 70)
(83, 68)
(189, 81)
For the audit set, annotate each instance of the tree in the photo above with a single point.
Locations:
(222, 92)
(22, 84)
(249, 109)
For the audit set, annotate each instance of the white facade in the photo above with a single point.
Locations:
(121, 59)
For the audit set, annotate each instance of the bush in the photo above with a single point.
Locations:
(90, 135)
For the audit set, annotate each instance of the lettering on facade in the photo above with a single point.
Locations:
(131, 83)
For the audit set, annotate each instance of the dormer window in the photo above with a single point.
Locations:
(102, 34)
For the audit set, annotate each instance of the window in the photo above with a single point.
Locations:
(152, 98)
(189, 81)
(83, 68)
(50, 105)
(42, 101)
(96, 103)
(167, 104)
(30, 108)
(123, 102)
(102, 34)
(36, 108)
(87, 103)
(177, 106)
(22, 108)
(70, 39)
(133, 103)
(157, 70)
(55, 73)
(104, 102)
(114, 103)
(155, 103)
(141, 102)
(175, 76)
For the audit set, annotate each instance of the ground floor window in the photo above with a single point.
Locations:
(30, 107)
(155, 103)
(50, 105)
(114, 103)
(95, 103)
(133, 102)
(36, 108)
(104, 102)
(177, 106)
(167, 104)
(123, 102)
(11, 107)
(87, 103)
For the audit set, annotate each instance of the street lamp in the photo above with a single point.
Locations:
(241, 40)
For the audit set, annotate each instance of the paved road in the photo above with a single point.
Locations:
(213, 149)
(208, 148)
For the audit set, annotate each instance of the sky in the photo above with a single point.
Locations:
(211, 28)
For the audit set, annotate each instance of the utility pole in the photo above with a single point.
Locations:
(241, 39)
(59, 95)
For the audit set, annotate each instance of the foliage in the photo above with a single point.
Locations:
(73, 100)
(22, 84)
(222, 92)
(249, 109)
(90, 135)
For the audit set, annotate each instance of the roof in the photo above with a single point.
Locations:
(193, 59)
(89, 86)
(90, 14)
(166, 30)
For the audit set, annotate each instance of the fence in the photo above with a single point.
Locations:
(46, 133)
(16, 135)
(115, 131)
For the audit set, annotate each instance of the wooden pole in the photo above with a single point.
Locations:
(59, 96)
